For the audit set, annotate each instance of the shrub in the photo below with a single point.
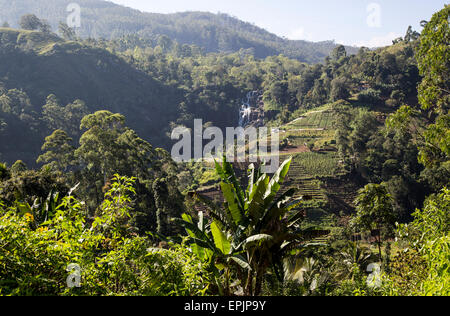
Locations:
(369, 96)
(34, 256)
(427, 265)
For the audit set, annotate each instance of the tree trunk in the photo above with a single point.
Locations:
(249, 287)
(258, 285)
(379, 245)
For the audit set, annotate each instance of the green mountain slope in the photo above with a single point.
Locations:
(213, 32)
(40, 65)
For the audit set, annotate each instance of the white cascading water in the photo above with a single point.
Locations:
(246, 109)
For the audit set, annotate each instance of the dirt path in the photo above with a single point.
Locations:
(295, 150)
(306, 130)
(304, 116)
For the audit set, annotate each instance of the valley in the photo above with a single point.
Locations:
(112, 133)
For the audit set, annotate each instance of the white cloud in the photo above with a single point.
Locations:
(300, 34)
(379, 41)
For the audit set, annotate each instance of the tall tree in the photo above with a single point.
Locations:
(18, 167)
(58, 151)
(374, 210)
(66, 31)
(433, 57)
(338, 52)
(339, 89)
(107, 145)
(65, 118)
(30, 22)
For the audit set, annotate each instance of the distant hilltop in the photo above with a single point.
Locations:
(212, 32)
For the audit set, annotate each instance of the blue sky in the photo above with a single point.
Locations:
(353, 22)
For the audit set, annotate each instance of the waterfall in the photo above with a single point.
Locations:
(248, 107)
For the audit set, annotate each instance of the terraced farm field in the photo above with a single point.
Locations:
(315, 127)
(316, 120)
(301, 137)
(320, 176)
(319, 119)
(318, 164)
(305, 169)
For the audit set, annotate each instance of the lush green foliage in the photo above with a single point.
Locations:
(426, 271)
(34, 255)
(107, 146)
(433, 59)
(374, 210)
(352, 121)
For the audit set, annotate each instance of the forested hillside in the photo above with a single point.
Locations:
(93, 203)
(212, 32)
(158, 88)
(40, 65)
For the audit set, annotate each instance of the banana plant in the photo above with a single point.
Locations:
(42, 209)
(254, 229)
(211, 244)
(354, 257)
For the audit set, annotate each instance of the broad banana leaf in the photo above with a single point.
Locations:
(233, 204)
(256, 239)
(276, 181)
(241, 261)
(220, 239)
(256, 199)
